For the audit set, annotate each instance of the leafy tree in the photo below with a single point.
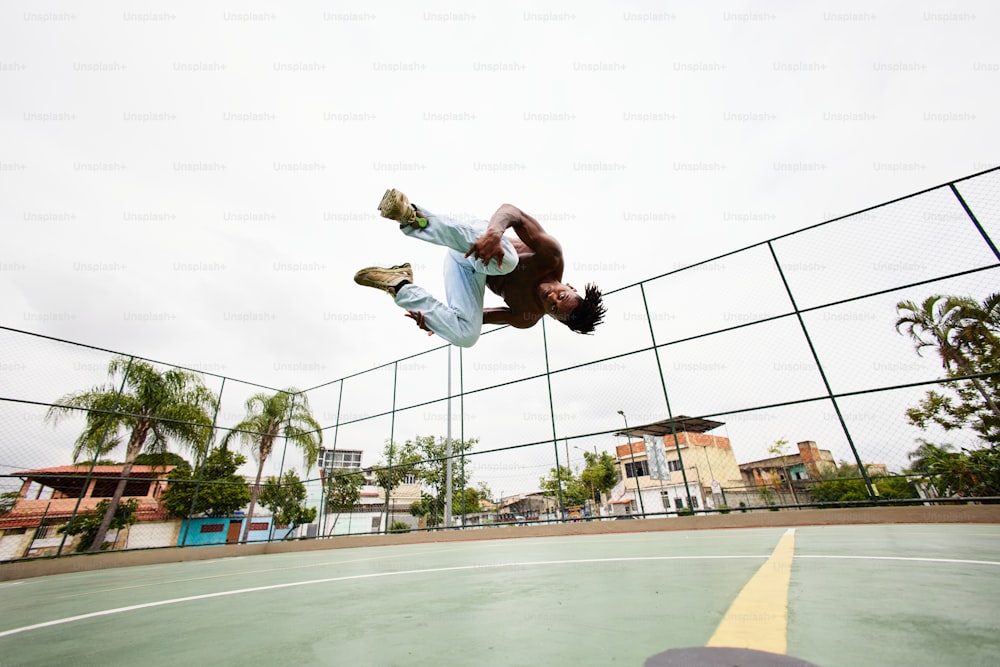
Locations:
(574, 492)
(152, 408)
(966, 336)
(777, 450)
(844, 483)
(269, 417)
(965, 473)
(429, 508)
(599, 475)
(88, 524)
(162, 459)
(7, 501)
(432, 469)
(398, 462)
(215, 488)
(285, 497)
(468, 501)
(426, 458)
(343, 492)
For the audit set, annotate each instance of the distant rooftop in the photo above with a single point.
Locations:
(681, 423)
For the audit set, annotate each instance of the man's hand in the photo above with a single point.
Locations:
(488, 247)
(418, 317)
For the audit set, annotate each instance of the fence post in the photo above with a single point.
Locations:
(204, 460)
(97, 451)
(666, 398)
(826, 382)
(336, 430)
(392, 435)
(968, 211)
(552, 416)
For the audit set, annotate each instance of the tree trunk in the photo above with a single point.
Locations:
(253, 500)
(134, 447)
(989, 401)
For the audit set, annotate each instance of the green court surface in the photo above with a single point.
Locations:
(925, 594)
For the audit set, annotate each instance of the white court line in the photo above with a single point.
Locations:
(918, 560)
(375, 575)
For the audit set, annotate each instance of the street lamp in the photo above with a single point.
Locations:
(642, 508)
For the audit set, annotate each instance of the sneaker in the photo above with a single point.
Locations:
(386, 279)
(396, 206)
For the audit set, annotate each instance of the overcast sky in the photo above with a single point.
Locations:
(197, 183)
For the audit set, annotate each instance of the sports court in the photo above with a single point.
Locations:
(896, 594)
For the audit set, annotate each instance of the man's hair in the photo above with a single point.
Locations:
(589, 313)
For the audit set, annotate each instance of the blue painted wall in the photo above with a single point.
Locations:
(191, 533)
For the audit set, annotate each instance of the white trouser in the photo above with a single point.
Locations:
(460, 320)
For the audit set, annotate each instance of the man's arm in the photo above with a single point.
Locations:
(507, 316)
(527, 229)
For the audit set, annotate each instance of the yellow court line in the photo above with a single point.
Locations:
(758, 617)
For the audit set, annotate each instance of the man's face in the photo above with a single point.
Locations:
(561, 301)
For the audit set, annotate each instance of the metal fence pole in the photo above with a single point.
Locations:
(826, 383)
(666, 399)
(336, 431)
(972, 216)
(97, 451)
(392, 435)
(447, 453)
(552, 415)
(281, 467)
(461, 428)
(201, 465)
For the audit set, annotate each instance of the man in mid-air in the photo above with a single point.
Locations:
(527, 274)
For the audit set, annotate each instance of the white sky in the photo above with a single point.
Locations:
(196, 183)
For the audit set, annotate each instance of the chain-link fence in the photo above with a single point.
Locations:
(782, 375)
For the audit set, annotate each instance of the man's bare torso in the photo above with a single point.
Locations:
(519, 289)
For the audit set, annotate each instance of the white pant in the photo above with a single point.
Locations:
(461, 319)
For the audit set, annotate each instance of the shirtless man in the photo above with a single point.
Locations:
(527, 274)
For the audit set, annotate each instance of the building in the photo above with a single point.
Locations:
(809, 464)
(369, 515)
(693, 468)
(49, 497)
(790, 476)
(535, 506)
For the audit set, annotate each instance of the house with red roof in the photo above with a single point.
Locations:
(49, 497)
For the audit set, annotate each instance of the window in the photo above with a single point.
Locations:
(637, 469)
(678, 503)
(410, 478)
(674, 465)
(341, 458)
(694, 502)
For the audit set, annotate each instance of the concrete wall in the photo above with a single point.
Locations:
(866, 515)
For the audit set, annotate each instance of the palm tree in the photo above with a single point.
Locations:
(152, 407)
(270, 416)
(947, 470)
(963, 332)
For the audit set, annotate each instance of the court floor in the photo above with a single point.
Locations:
(925, 594)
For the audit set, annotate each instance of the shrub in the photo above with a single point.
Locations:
(399, 527)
